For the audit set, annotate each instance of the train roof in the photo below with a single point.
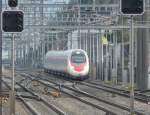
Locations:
(62, 52)
(59, 51)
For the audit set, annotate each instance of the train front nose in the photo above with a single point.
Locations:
(78, 63)
(79, 69)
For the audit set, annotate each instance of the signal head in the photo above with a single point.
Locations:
(13, 3)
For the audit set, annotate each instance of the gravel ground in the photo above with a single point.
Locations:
(41, 108)
(118, 99)
(74, 107)
(20, 109)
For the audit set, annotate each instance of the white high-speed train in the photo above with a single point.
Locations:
(70, 63)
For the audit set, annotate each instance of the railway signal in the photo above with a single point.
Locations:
(132, 7)
(13, 3)
(12, 21)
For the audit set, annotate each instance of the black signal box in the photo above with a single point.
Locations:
(132, 7)
(12, 21)
(13, 3)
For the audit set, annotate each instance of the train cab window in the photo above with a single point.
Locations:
(78, 57)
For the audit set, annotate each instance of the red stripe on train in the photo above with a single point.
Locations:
(78, 67)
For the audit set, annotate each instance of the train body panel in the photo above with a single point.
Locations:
(56, 61)
(74, 63)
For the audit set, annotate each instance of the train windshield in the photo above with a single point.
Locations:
(78, 57)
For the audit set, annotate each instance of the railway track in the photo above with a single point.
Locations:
(138, 96)
(119, 89)
(66, 89)
(34, 97)
(21, 98)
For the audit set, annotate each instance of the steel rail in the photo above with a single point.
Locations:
(78, 98)
(30, 108)
(138, 96)
(91, 96)
(51, 106)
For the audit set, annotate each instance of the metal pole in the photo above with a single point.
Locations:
(102, 61)
(13, 49)
(52, 42)
(97, 58)
(90, 46)
(20, 59)
(116, 60)
(79, 28)
(132, 68)
(12, 94)
(124, 78)
(0, 57)
(106, 69)
(93, 48)
(86, 42)
(43, 49)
